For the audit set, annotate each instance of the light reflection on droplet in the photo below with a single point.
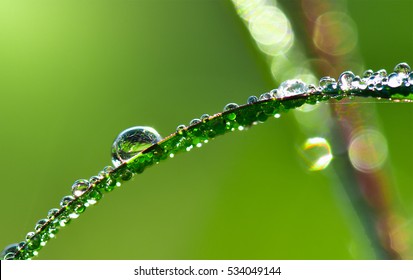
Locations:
(368, 150)
(317, 153)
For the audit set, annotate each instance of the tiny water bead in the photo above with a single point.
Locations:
(327, 83)
(40, 224)
(194, 121)
(230, 106)
(52, 212)
(252, 99)
(265, 96)
(132, 141)
(291, 88)
(66, 200)
(368, 73)
(79, 187)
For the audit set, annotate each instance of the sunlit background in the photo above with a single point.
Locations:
(73, 74)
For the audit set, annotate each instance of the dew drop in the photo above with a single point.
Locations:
(29, 235)
(180, 127)
(317, 153)
(52, 212)
(40, 224)
(379, 86)
(194, 121)
(367, 73)
(402, 69)
(265, 96)
(252, 99)
(311, 89)
(230, 106)
(345, 80)
(66, 200)
(356, 82)
(79, 187)
(93, 180)
(291, 88)
(327, 83)
(132, 141)
(9, 252)
(381, 73)
(204, 117)
(394, 80)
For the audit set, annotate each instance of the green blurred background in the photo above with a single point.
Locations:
(73, 74)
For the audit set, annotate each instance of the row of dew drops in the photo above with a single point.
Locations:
(134, 140)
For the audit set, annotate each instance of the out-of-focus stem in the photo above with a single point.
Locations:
(368, 192)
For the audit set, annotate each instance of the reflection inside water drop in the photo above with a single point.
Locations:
(132, 141)
(316, 153)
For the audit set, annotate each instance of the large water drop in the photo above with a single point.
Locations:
(80, 187)
(394, 80)
(345, 80)
(9, 252)
(291, 88)
(132, 141)
(402, 69)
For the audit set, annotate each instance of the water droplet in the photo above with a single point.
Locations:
(345, 80)
(277, 116)
(379, 86)
(180, 127)
(291, 88)
(132, 141)
(94, 197)
(204, 117)
(29, 235)
(194, 121)
(317, 153)
(230, 106)
(394, 80)
(66, 200)
(39, 224)
(356, 82)
(327, 83)
(381, 73)
(93, 180)
(9, 252)
(252, 99)
(265, 96)
(402, 69)
(311, 89)
(367, 73)
(22, 244)
(79, 187)
(52, 212)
